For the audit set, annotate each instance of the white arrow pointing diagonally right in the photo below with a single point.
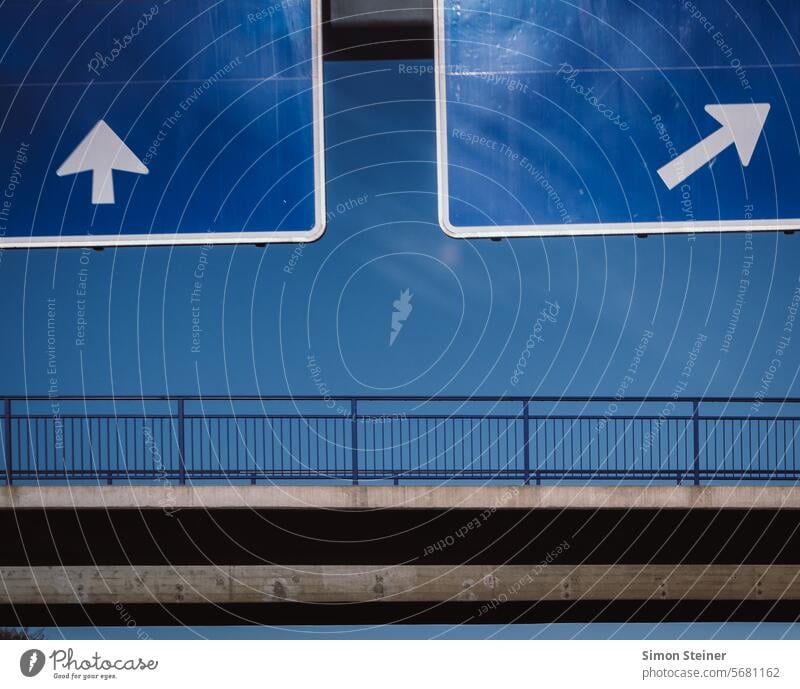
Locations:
(101, 152)
(742, 125)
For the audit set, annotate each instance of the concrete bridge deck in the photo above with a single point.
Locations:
(346, 497)
(404, 583)
(339, 554)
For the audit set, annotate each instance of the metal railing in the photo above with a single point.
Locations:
(254, 438)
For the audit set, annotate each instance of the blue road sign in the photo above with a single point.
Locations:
(617, 116)
(160, 122)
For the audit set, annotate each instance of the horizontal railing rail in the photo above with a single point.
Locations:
(161, 438)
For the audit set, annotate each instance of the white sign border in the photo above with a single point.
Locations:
(557, 230)
(199, 238)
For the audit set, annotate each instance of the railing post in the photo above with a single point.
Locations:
(696, 436)
(181, 443)
(526, 451)
(7, 439)
(354, 438)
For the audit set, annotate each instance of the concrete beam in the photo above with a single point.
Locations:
(399, 497)
(400, 584)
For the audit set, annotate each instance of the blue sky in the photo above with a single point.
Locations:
(700, 631)
(263, 312)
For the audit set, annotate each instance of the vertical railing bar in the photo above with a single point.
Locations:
(739, 437)
(760, 445)
(489, 444)
(453, 446)
(391, 451)
(20, 444)
(413, 439)
(427, 463)
(669, 445)
(558, 444)
(292, 465)
(181, 443)
(138, 459)
(237, 436)
(497, 445)
(307, 423)
(435, 423)
(767, 457)
(696, 434)
(471, 444)
(45, 425)
(407, 446)
(31, 433)
(657, 445)
(277, 441)
(572, 443)
(339, 470)
(724, 445)
(123, 444)
(354, 438)
(237, 444)
(487, 469)
(446, 423)
(499, 466)
(546, 448)
(82, 445)
(253, 456)
(318, 463)
(109, 474)
(526, 450)
(508, 426)
(384, 473)
(685, 449)
(92, 448)
(480, 445)
(7, 441)
(771, 432)
(207, 427)
(419, 448)
(28, 441)
(730, 449)
(380, 450)
(264, 458)
(249, 454)
(376, 470)
(571, 436)
(205, 439)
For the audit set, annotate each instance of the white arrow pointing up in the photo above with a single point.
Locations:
(741, 125)
(101, 152)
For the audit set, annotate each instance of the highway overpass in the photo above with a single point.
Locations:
(234, 510)
(244, 554)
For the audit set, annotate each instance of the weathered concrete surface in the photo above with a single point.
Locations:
(400, 497)
(343, 584)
